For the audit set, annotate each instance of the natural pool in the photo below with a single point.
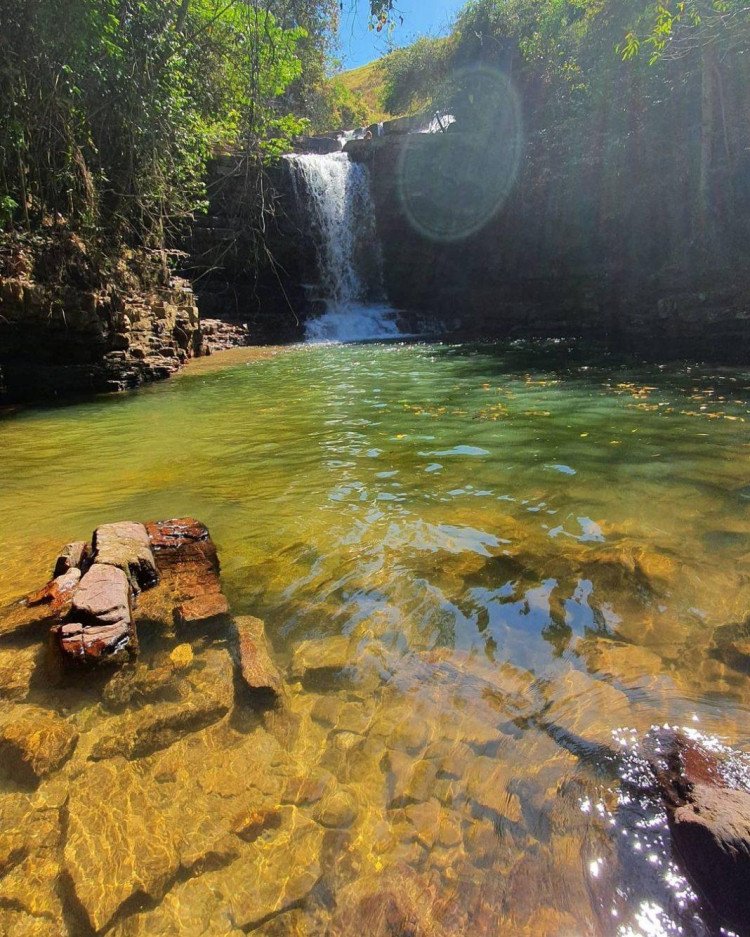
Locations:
(509, 552)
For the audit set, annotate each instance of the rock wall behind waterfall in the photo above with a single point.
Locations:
(566, 254)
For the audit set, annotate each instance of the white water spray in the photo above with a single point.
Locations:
(336, 197)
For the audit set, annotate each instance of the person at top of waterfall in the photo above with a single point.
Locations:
(368, 134)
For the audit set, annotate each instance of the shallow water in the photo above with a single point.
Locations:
(519, 550)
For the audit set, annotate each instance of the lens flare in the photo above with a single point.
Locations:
(452, 184)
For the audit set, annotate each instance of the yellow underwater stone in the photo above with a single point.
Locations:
(182, 656)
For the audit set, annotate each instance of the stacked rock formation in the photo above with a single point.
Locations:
(154, 571)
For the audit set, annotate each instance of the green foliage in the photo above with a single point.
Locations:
(382, 14)
(346, 108)
(110, 109)
(8, 208)
(675, 28)
(413, 74)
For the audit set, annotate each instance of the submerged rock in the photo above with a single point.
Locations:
(258, 671)
(119, 843)
(709, 819)
(203, 693)
(270, 877)
(34, 743)
(322, 654)
(202, 608)
(126, 545)
(17, 668)
(583, 712)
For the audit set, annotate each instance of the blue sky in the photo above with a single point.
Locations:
(421, 17)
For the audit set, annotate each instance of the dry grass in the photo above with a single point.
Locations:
(368, 81)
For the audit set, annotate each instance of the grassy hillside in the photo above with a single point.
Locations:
(367, 81)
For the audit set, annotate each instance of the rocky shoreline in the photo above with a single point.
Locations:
(76, 340)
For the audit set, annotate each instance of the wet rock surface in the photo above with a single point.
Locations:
(189, 563)
(708, 807)
(258, 671)
(100, 627)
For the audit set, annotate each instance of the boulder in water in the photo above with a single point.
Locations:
(709, 819)
(258, 671)
(100, 625)
(127, 546)
(189, 565)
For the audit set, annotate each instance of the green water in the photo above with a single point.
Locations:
(528, 506)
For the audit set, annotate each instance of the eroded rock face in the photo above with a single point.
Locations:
(127, 546)
(258, 671)
(100, 625)
(709, 819)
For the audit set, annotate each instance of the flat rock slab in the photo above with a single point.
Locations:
(258, 671)
(119, 843)
(202, 608)
(189, 565)
(127, 546)
(270, 876)
(35, 742)
(100, 626)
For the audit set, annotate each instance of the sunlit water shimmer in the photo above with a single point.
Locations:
(503, 553)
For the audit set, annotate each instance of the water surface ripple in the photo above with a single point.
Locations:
(503, 553)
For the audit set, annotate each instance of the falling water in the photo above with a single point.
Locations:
(336, 196)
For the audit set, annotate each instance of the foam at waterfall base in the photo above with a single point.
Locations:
(353, 322)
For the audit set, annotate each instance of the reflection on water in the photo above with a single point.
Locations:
(476, 564)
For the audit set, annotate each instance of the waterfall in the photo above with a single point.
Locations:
(334, 194)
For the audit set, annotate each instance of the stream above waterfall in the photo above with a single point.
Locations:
(502, 555)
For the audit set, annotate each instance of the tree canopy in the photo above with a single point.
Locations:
(109, 109)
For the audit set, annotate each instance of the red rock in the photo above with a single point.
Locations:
(709, 819)
(259, 673)
(100, 626)
(57, 595)
(202, 608)
(189, 566)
